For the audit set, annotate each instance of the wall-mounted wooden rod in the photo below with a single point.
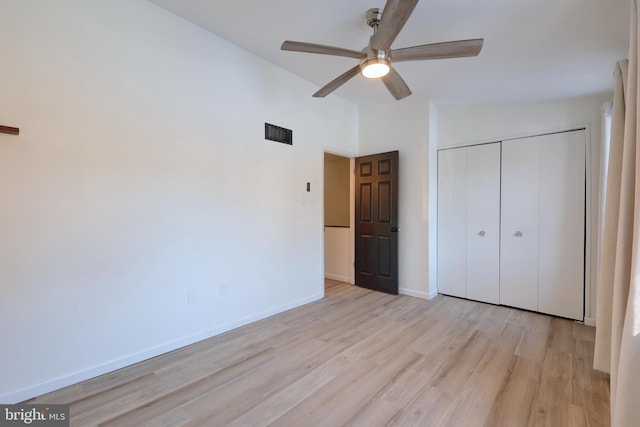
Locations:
(9, 130)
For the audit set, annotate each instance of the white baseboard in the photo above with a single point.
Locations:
(590, 321)
(92, 372)
(337, 277)
(418, 294)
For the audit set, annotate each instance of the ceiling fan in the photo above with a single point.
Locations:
(376, 59)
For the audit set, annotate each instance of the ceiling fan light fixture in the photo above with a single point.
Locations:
(375, 68)
(375, 59)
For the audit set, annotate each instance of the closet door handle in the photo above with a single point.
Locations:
(481, 233)
(518, 233)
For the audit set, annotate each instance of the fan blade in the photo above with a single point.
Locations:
(337, 82)
(394, 16)
(396, 85)
(455, 49)
(321, 49)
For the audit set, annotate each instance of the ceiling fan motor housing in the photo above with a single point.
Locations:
(373, 17)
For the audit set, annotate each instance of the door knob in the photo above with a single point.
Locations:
(518, 233)
(394, 229)
(481, 233)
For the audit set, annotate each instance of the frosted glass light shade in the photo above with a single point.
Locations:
(375, 68)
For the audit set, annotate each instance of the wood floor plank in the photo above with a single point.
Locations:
(377, 413)
(553, 401)
(513, 403)
(455, 372)
(533, 344)
(331, 402)
(429, 408)
(362, 358)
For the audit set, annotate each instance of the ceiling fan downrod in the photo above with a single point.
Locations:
(376, 64)
(373, 17)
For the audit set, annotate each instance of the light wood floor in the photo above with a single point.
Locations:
(362, 358)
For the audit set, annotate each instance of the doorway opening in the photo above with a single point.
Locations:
(339, 208)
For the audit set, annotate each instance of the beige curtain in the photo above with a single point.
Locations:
(618, 316)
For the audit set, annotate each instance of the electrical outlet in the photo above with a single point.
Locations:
(223, 289)
(192, 296)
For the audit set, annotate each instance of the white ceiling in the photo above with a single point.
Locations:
(533, 50)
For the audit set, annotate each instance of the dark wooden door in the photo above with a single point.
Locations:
(377, 222)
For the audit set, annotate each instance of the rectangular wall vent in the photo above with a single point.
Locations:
(278, 134)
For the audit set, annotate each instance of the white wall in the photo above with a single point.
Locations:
(141, 176)
(469, 124)
(337, 194)
(337, 257)
(404, 126)
(432, 200)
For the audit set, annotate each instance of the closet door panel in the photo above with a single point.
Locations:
(483, 223)
(519, 224)
(562, 202)
(452, 220)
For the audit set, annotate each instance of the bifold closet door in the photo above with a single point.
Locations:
(483, 223)
(562, 216)
(452, 222)
(519, 218)
(542, 217)
(469, 222)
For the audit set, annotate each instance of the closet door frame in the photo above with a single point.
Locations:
(591, 210)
